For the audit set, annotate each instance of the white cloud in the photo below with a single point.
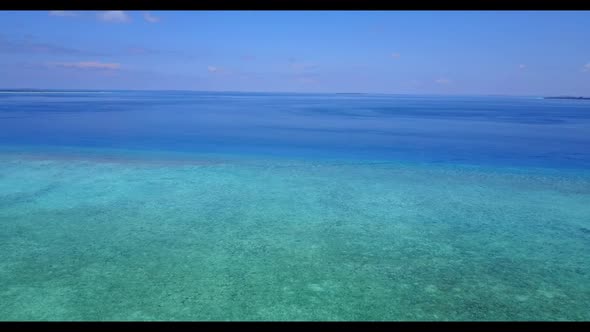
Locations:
(443, 81)
(587, 67)
(395, 55)
(117, 16)
(213, 69)
(62, 13)
(88, 65)
(521, 66)
(151, 18)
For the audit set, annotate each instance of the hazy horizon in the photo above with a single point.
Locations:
(281, 92)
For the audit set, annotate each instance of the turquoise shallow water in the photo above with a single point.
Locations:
(143, 205)
(230, 238)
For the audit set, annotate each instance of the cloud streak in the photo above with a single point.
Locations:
(306, 80)
(223, 71)
(114, 16)
(443, 81)
(302, 72)
(214, 69)
(148, 51)
(150, 18)
(395, 55)
(62, 13)
(88, 65)
(301, 67)
(27, 45)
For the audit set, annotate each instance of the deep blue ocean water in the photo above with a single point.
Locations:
(502, 131)
(147, 205)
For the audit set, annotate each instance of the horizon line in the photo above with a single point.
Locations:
(278, 92)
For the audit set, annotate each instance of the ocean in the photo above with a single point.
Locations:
(224, 206)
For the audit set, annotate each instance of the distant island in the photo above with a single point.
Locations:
(567, 97)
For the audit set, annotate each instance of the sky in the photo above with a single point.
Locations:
(399, 52)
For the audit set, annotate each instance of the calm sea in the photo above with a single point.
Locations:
(171, 205)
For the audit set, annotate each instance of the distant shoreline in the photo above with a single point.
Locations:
(568, 97)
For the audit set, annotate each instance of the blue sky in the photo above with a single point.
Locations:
(413, 52)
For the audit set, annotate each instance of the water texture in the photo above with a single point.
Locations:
(127, 205)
